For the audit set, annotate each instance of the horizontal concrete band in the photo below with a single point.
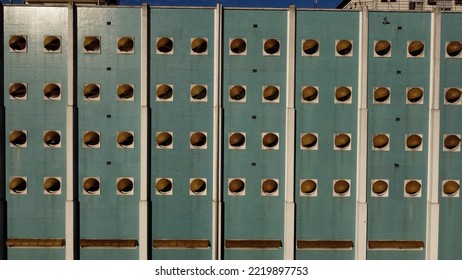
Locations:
(324, 244)
(253, 244)
(181, 243)
(396, 244)
(115, 243)
(35, 242)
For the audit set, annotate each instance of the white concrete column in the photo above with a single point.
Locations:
(71, 194)
(289, 208)
(434, 139)
(217, 128)
(361, 168)
(144, 244)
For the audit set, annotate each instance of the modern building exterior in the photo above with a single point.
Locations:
(229, 133)
(402, 5)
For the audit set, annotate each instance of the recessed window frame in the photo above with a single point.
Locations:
(167, 193)
(131, 192)
(275, 193)
(132, 51)
(345, 194)
(454, 195)
(416, 195)
(241, 193)
(386, 148)
(456, 149)
(59, 50)
(381, 195)
(98, 192)
(313, 193)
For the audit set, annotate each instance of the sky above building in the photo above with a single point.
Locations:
(226, 3)
(238, 3)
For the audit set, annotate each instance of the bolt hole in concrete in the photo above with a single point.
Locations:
(92, 44)
(452, 95)
(52, 43)
(91, 185)
(52, 91)
(238, 46)
(18, 185)
(310, 47)
(18, 43)
(52, 138)
(125, 185)
(164, 185)
(453, 49)
(237, 140)
(450, 187)
(52, 185)
(382, 48)
(198, 139)
(18, 138)
(198, 92)
(269, 186)
(237, 93)
(18, 91)
(236, 186)
(344, 47)
(308, 186)
(199, 45)
(125, 44)
(165, 45)
(198, 186)
(271, 46)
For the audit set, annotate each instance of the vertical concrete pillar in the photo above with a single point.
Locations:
(144, 228)
(361, 170)
(434, 139)
(217, 128)
(3, 186)
(289, 209)
(72, 217)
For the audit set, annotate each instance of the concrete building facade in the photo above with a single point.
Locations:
(226, 133)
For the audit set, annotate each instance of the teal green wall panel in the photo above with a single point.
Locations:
(449, 161)
(109, 254)
(394, 216)
(36, 254)
(182, 214)
(109, 115)
(35, 214)
(327, 71)
(254, 216)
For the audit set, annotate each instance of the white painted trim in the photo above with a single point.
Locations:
(144, 133)
(434, 139)
(217, 127)
(289, 207)
(361, 144)
(70, 199)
